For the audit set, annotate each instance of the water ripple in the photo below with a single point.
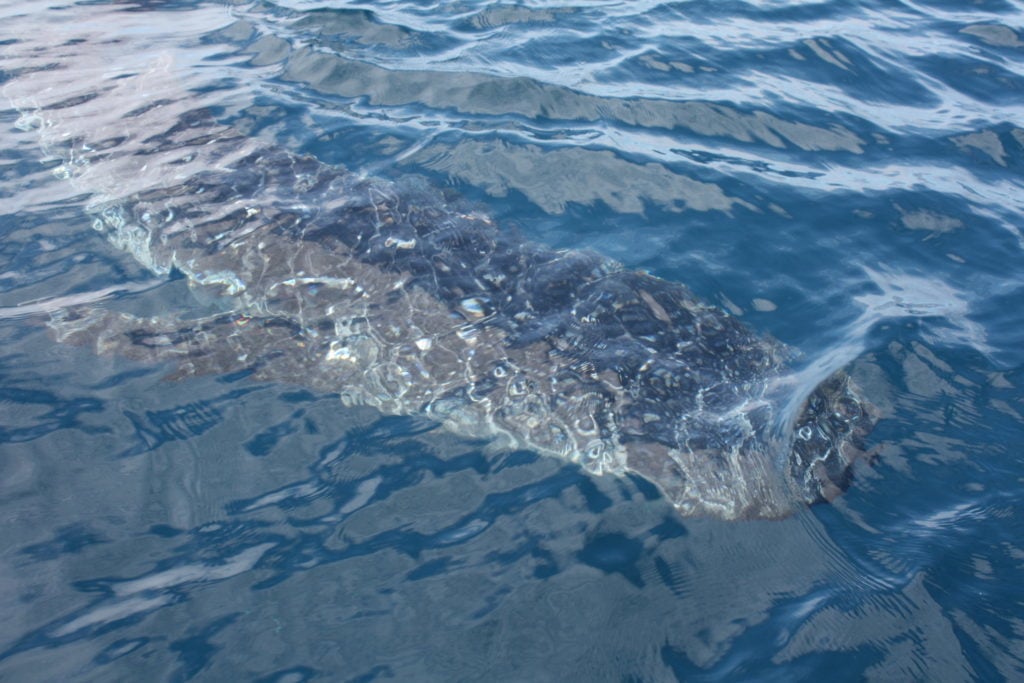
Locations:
(845, 176)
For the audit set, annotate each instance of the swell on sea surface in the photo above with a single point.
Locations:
(845, 177)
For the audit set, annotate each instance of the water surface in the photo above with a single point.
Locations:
(842, 176)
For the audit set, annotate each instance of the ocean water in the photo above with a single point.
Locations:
(844, 177)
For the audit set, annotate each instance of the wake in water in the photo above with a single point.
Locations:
(899, 297)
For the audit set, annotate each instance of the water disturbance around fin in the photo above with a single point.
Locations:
(396, 296)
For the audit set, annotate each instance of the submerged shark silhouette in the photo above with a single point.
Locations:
(398, 296)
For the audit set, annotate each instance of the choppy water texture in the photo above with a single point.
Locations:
(843, 177)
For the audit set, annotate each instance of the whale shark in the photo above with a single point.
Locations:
(396, 294)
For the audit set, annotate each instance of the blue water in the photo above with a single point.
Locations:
(845, 177)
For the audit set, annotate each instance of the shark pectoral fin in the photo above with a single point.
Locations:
(88, 326)
(213, 345)
(655, 463)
